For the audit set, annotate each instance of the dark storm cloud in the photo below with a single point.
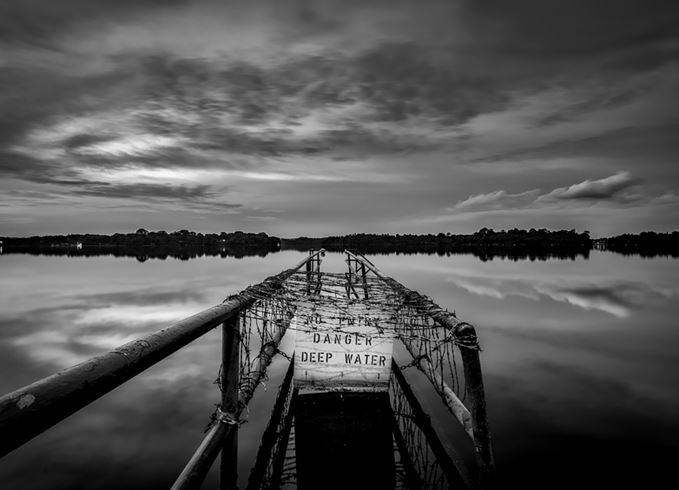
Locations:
(395, 81)
(574, 28)
(40, 21)
(400, 81)
(83, 139)
(146, 191)
(600, 100)
(628, 141)
(36, 96)
(200, 196)
(21, 166)
(418, 77)
(160, 87)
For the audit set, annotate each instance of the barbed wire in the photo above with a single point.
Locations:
(317, 299)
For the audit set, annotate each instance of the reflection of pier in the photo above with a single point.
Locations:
(343, 440)
(350, 420)
(354, 440)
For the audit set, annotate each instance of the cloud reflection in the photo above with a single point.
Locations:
(616, 298)
(93, 324)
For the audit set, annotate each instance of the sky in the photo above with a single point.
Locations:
(326, 117)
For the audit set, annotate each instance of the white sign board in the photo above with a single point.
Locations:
(345, 347)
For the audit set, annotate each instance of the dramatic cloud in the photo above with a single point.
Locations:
(602, 189)
(497, 200)
(620, 189)
(254, 106)
(199, 197)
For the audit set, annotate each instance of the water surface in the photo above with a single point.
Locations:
(580, 359)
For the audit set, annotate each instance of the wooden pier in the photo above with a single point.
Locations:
(345, 403)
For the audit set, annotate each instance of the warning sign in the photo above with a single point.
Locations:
(347, 347)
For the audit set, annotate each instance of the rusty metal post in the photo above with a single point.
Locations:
(319, 284)
(309, 270)
(230, 377)
(196, 469)
(365, 280)
(474, 380)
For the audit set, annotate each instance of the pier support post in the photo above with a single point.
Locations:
(477, 399)
(230, 377)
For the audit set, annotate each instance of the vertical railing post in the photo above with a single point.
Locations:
(365, 279)
(349, 274)
(230, 378)
(477, 399)
(309, 270)
(319, 285)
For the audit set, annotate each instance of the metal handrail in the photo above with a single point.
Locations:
(32, 409)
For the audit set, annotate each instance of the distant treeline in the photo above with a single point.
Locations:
(144, 244)
(486, 244)
(646, 244)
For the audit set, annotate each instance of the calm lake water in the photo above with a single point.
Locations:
(580, 359)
